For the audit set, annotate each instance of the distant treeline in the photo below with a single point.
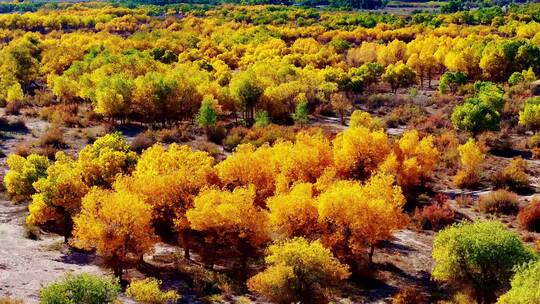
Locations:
(365, 4)
(446, 7)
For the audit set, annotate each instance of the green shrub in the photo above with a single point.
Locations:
(83, 288)
(148, 291)
(261, 119)
(478, 257)
(499, 202)
(515, 78)
(525, 286)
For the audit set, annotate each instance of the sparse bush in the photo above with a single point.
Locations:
(15, 126)
(513, 177)
(204, 281)
(14, 107)
(464, 201)
(216, 134)
(62, 114)
(409, 295)
(176, 134)
(52, 137)
(83, 288)
(142, 141)
(435, 216)
(378, 100)
(31, 232)
(6, 300)
(231, 141)
(148, 291)
(529, 217)
(24, 149)
(499, 202)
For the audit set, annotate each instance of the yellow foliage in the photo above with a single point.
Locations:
(169, 178)
(471, 158)
(295, 267)
(359, 151)
(302, 161)
(148, 291)
(116, 223)
(249, 166)
(294, 214)
(222, 213)
(360, 118)
(413, 160)
(355, 216)
(22, 173)
(59, 194)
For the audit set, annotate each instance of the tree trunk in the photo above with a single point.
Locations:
(370, 254)
(117, 266)
(184, 236)
(243, 248)
(68, 225)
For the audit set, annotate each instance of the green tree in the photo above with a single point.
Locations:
(207, 116)
(450, 81)
(301, 114)
(399, 75)
(530, 115)
(480, 256)
(247, 90)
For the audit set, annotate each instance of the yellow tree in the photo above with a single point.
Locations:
(58, 195)
(231, 219)
(294, 214)
(296, 270)
(359, 151)
(249, 166)
(360, 118)
(413, 159)
(302, 161)
(117, 224)
(471, 158)
(354, 216)
(168, 179)
(107, 157)
(22, 173)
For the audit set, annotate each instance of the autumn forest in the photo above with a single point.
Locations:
(269, 152)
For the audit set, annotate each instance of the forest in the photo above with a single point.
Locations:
(269, 152)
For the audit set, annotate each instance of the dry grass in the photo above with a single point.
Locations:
(499, 202)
